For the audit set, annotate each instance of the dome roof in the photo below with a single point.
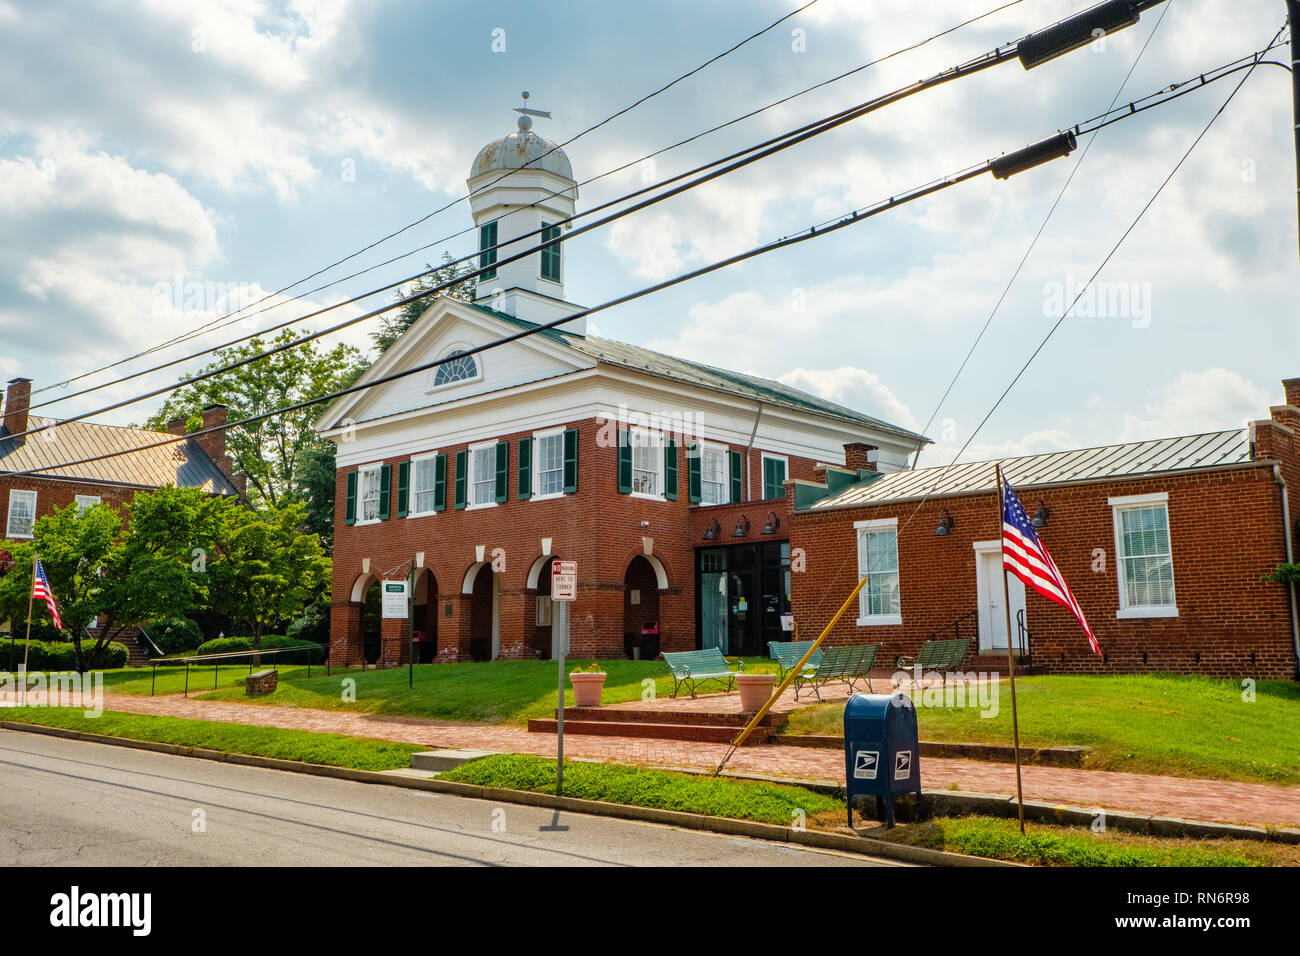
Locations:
(521, 149)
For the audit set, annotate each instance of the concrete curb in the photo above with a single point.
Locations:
(939, 802)
(1066, 756)
(866, 846)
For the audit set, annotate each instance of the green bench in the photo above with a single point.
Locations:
(788, 654)
(692, 667)
(849, 664)
(941, 656)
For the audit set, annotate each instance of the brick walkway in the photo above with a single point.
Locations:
(1161, 796)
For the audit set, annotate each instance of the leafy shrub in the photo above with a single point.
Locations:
(225, 645)
(62, 655)
(177, 635)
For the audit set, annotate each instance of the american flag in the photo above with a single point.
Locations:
(41, 590)
(1025, 556)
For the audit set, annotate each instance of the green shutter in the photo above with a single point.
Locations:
(385, 487)
(551, 252)
(525, 469)
(737, 486)
(624, 463)
(351, 517)
(570, 460)
(693, 474)
(670, 470)
(403, 488)
(440, 483)
(487, 240)
(462, 458)
(503, 463)
(773, 478)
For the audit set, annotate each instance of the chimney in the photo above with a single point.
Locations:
(215, 443)
(859, 456)
(176, 426)
(1292, 388)
(17, 401)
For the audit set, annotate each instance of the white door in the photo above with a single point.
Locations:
(992, 614)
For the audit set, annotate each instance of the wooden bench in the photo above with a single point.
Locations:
(697, 666)
(941, 656)
(849, 664)
(261, 683)
(789, 653)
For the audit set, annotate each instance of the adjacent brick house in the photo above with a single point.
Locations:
(1164, 543)
(663, 479)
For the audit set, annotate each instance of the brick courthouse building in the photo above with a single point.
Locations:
(663, 479)
(1165, 544)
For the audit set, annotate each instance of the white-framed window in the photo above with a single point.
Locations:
(715, 475)
(775, 471)
(1144, 556)
(369, 480)
(22, 514)
(647, 462)
(483, 475)
(457, 368)
(423, 477)
(87, 501)
(543, 610)
(548, 464)
(878, 601)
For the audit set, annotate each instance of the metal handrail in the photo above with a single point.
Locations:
(1026, 638)
(141, 632)
(955, 625)
(216, 660)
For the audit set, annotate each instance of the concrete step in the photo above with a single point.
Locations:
(628, 715)
(704, 733)
(440, 760)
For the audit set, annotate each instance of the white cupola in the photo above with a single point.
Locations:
(520, 184)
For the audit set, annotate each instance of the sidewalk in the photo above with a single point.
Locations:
(1197, 799)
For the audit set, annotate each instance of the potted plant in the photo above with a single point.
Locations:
(588, 683)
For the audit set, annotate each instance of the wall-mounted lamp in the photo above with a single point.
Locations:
(773, 522)
(712, 529)
(1041, 515)
(742, 527)
(945, 524)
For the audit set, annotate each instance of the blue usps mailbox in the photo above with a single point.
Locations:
(881, 749)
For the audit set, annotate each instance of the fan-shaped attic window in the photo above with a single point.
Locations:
(459, 367)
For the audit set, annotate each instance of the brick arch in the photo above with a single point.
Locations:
(662, 577)
(361, 585)
(471, 575)
(533, 582)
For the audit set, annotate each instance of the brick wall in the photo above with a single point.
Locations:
(598, 527)
(1225, 530)
(53, 494)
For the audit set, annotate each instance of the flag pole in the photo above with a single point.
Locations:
(27, 644)
(1011, 659)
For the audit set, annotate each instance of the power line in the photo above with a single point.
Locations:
(236, 316)
(811, 233)
(1015, 274)
(999, 55)
(444, 208)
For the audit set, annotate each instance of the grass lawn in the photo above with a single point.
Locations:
(720, 797)
(1182, 726)
(360, 753)
(1046, 845)
(495, 692)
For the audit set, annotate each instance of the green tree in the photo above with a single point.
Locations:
(268, 569)
(393, 324)
(123, 572)
(314, 487)
(269, 451)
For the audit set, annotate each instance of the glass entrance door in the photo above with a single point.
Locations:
(712, 578)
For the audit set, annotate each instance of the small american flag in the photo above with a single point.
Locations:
(41, 591)
(1025, 556)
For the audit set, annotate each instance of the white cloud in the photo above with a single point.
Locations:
(1197, 402)
(854, 388)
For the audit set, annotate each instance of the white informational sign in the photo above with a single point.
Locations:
(564, 580)
(393, 598)
(787, 622)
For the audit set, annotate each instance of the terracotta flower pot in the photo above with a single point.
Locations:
(587, 687)
(755, 689)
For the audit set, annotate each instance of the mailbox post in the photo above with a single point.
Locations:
(881, 750)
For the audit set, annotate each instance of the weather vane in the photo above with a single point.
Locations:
(527, 113)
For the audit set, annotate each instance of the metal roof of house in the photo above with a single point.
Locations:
(1128, 460)
(707, 376)
(183, 464)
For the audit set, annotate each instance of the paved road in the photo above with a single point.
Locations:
(66, 802)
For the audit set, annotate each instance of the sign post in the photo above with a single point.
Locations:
(564, 588)
(410, 628)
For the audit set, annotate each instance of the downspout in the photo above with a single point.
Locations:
(1290, 559)
(749, 472)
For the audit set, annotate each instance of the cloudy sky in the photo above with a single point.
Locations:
(149, 144)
